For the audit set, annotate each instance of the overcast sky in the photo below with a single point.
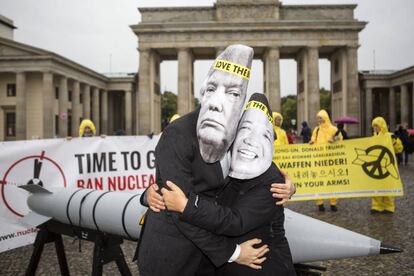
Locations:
(96, 33)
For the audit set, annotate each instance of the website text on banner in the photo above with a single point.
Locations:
(363, 167)
(116, 164)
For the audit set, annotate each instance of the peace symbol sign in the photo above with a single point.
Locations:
(377, 168)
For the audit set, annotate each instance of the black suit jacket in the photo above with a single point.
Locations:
(246, 210)
(179, 246)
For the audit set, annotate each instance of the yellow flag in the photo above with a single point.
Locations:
(363, 167)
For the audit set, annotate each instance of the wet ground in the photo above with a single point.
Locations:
(396, 230)
(353, 214)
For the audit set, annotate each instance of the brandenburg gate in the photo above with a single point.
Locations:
(305, 33)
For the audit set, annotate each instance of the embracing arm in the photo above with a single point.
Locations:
(253, 209)
(249, 213)
(152, 199)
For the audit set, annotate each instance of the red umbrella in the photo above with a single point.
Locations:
(347, 120)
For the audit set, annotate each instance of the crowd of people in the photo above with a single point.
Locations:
(407, 142)
(232, 219)
(212, 201)
(219, 196)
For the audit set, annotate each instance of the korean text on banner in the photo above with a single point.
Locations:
(363, 167)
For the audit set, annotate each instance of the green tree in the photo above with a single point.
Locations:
(168, 107)
(289, 111)
(289, 107)
(196, 102)
(325, 97)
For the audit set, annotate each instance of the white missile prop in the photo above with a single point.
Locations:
(314, 240)
(109, 212)
(119, 214)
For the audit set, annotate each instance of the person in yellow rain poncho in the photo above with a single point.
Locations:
(173, 118)
(87, 128)
(384, 204)
(281, 137)
(325, 132)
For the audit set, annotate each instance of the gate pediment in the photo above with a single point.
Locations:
(247, 10)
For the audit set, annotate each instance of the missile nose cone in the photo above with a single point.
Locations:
(386, 249)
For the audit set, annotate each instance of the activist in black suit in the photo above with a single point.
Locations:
(246, 208)
(168, 246)
(188, 153)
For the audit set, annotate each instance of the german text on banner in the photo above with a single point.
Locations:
(361, 167)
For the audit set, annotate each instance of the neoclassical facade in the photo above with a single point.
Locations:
(388, 94)
(45, 95)
(305, 33)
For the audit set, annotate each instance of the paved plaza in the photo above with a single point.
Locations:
(353, 214)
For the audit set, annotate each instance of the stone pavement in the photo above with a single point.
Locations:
(353, 214)
(394, 230)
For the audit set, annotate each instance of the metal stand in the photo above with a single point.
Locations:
(107, 248)
(309, 270)
(43, 237)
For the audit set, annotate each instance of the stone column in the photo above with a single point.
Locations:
(368, 106)
(313, 85)
(156, 93)
(128, 112)
(134, 112)
(344, 82)
(338, 84)
(63, 107)
(21, 106)
(76, 112)
(353, 99)
(143, 98)
(48, 103)
(95, 109)
(185, 76)
(149, 99)
(391, 108)
(104, 110)
(272, 75)
(302, 90)
(404, 104)
(86, 101)
(412, 104)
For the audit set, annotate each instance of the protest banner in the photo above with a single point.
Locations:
(124, 164)
(361, 167)
(352, 168)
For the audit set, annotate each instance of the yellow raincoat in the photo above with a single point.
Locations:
(383, 203)
(322, 134)
(281, 137)
(84, 124)
(174, 117)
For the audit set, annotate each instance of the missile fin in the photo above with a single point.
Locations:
(34, 189)
(386, 249)
(34, 219)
